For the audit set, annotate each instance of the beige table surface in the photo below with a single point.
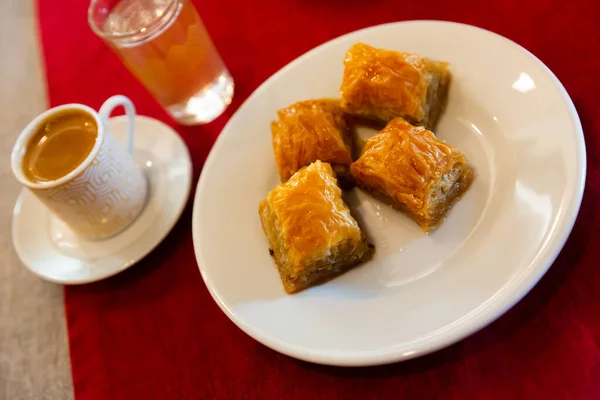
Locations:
(34, 356)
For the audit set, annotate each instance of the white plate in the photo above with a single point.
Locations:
(50, 249)
(512, 118)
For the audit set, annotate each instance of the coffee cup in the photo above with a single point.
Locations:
(68, 159)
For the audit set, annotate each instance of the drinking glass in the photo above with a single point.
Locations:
(165, 45)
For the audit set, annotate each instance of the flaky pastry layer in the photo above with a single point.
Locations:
(308, 131)
(412, 169)
(383, 84)
(311, 232)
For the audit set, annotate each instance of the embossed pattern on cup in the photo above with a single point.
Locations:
(105, 198)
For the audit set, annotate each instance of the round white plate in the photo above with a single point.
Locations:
(50, 249)
(515, 122)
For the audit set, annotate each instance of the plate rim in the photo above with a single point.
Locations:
(129, 263)
(503, 301)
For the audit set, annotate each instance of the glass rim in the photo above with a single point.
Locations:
(145, 32)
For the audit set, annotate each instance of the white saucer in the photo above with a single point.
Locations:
(50, 250)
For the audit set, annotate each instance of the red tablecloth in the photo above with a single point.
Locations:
(153, 332)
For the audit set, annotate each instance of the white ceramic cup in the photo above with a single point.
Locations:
(106, 192)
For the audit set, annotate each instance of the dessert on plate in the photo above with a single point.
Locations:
(414, 171)
(384, 84)
(312, 235)
(308, 131)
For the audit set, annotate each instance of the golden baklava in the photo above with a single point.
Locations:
(413, 170)
(308, 131)
(312, 235)
(384, 84)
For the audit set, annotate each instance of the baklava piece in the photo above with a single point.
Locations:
(413, 170)
(308, 131)
(313, 236)
(383, 84)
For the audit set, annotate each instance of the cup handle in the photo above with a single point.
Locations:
(108, 107)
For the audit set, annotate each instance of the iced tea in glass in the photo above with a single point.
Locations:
(165, 45)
